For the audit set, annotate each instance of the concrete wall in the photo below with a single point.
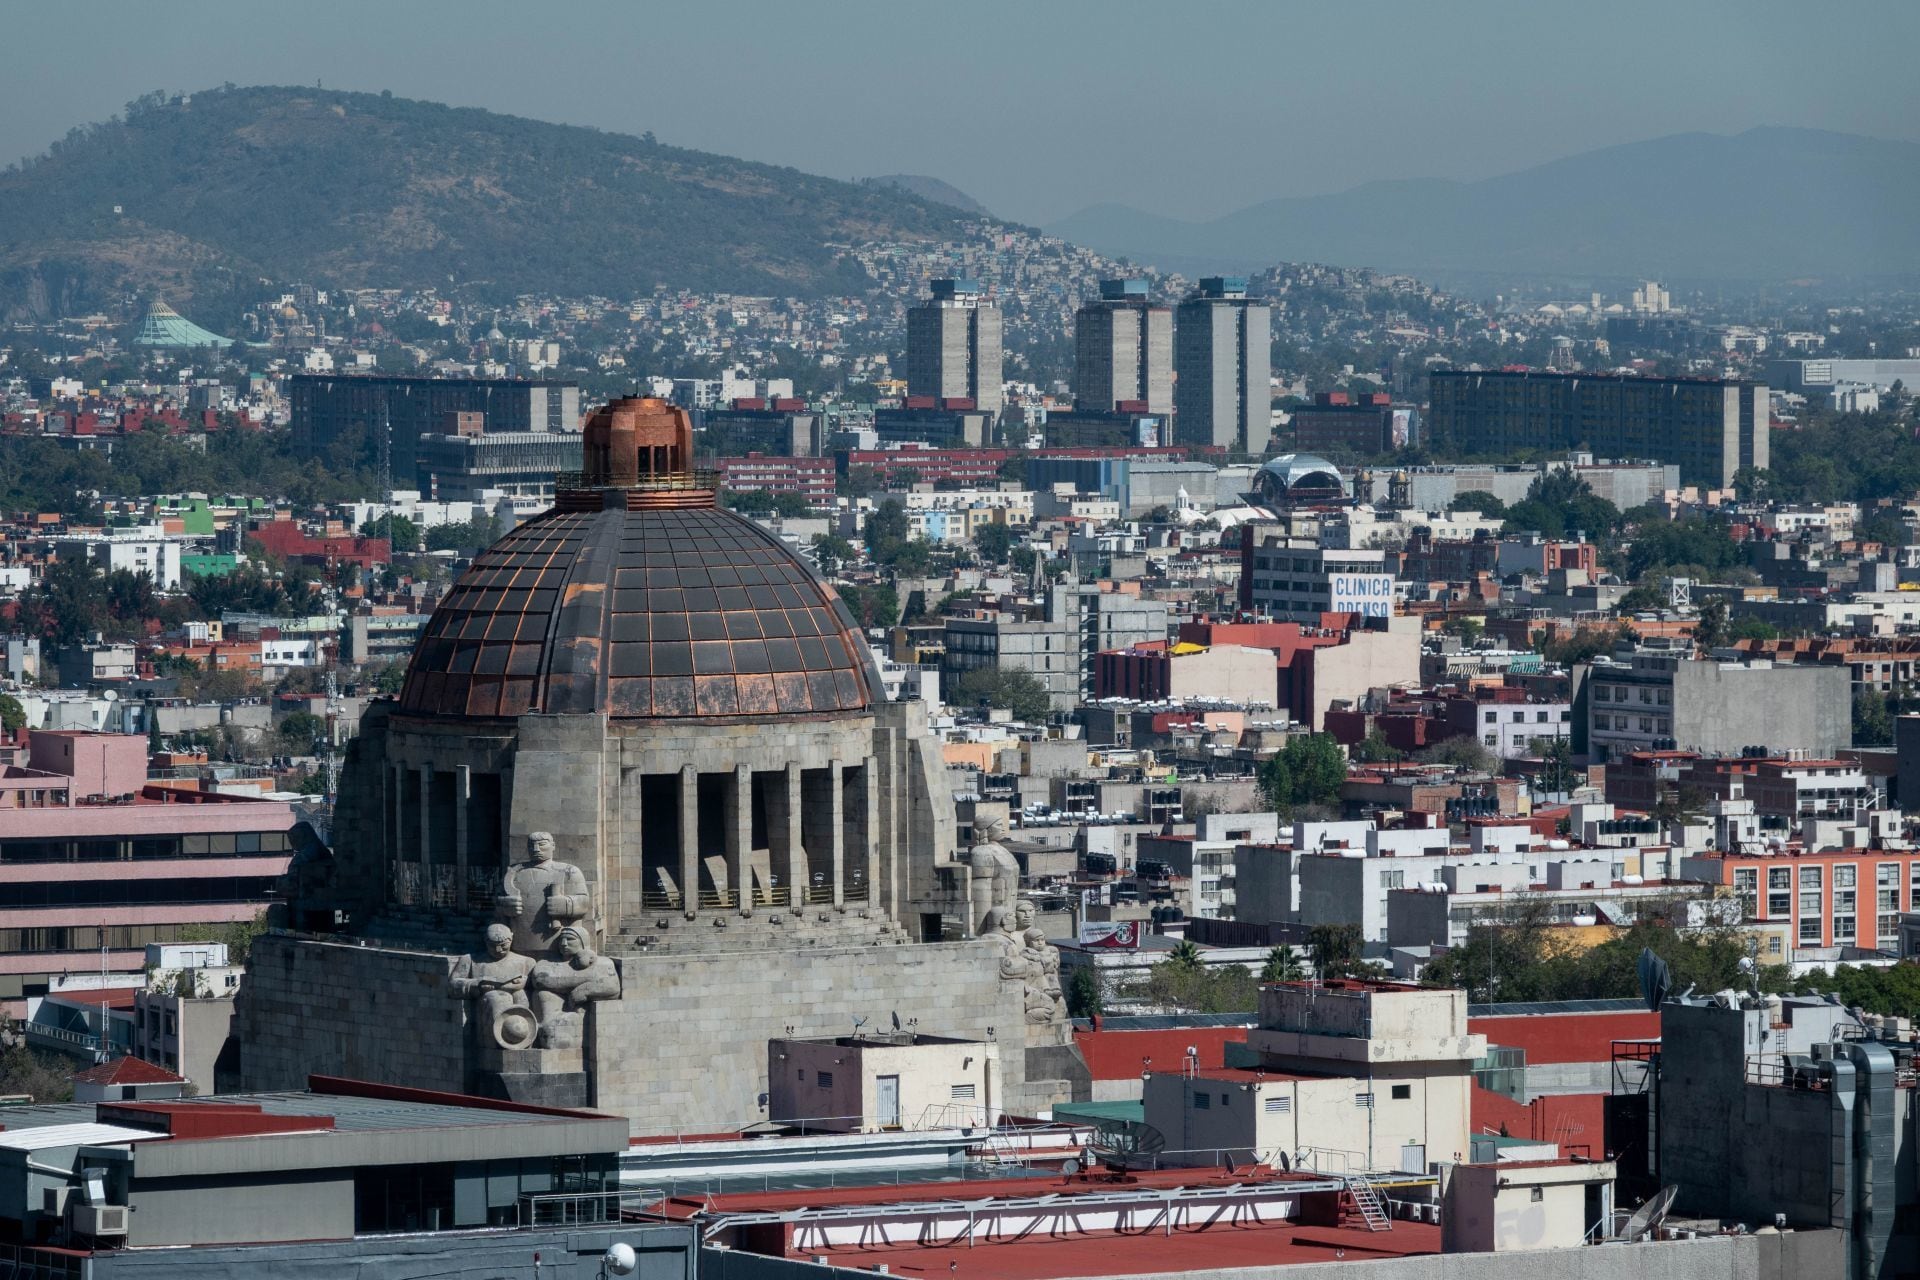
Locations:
(236, 1210)
(692, 1055)
(332, 1009)
(1720, 709)
(1231, 672)
(1369, 660)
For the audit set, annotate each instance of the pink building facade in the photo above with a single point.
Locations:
(93, 857)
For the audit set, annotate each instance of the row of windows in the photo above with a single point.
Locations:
(139, 848)
(1619, 693)
(1624, 724)
(136, 893)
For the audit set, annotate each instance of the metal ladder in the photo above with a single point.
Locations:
(1366, 1198)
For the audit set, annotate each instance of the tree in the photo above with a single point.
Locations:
(1185, 955)
(1462, 751)
(1751, 628)
(1559, 503)
(1479, 500)
(1583, 645)
(876, 605)
(1872, 721)
(993, 542)
(1557, 774)
(1468, 628)
(403, 533)
(1710, 632)
(1282, 965)
(392, 679)
(238, 936)
(302, 732)
(13, 716)
(832, 551)
(1375, 749)
(1338, 950)
(1310, 769)
(1013, 689)
(1645, 598)
(1086, 995)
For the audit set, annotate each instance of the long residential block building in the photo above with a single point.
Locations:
(1708, 427)
(96, 862)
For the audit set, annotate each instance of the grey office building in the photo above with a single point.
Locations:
(1708, 427)
(362, 408)
(953, 347)
(457, 468)
(1123, 351)
(1223, 358)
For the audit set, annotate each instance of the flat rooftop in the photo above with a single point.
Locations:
(368, 1109)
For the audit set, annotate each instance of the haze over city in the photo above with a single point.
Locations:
(1068, 642)
(1039, 111)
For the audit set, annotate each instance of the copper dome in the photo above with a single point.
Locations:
(637, 597)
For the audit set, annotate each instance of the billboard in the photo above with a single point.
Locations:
(1368, 594)
(1110, 935)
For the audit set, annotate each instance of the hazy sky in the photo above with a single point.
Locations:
(1036, 108)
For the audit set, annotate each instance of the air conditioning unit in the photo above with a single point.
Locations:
(100, 1219)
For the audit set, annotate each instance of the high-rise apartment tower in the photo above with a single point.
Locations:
(953, 347)
(1123, 351)
(1221, 354)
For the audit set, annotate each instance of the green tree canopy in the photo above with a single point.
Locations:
(13, 716)
(1308, 770)
(1478, 500)
(1007, 689)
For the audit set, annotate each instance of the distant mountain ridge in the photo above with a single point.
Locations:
(1767, 204)
(369, 189)
(932, 189)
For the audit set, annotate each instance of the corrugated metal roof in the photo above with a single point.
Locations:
(72, 1135)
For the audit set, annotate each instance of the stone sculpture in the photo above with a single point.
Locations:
(1041, 954)
(563, 988)
(993, 875)
(540, 897)
(1020, 964)
(494, 981)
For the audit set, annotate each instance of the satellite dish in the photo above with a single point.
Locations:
(1069, 1167)
(1120, 1145)
(1281, 1158)
(1648, 1217)
(896, 1019)
(620, 1260)
(1655, 979)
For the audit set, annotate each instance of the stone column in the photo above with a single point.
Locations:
(462, 795)
(426, 836)
(790, 858)
(836, 804)
(690, 837)
(740, 834)
(626, 876)
(870, 829)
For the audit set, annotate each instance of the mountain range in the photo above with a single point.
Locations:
(354, 189)
(1765, 205)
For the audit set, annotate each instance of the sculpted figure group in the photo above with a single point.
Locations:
(531, 984)
(1009, 926)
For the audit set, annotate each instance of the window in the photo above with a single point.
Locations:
(1810, 903)
(1276, 1106)
(1393, 879)
(1843, 877)
(826, 1079)
(1202, 1101)
(1810, 929)
(1782, 877)
(1402, 1092)
(962, 1093)
(1773, 944)
(1363, 1101)
(1537, 1194)
(1809, 877)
